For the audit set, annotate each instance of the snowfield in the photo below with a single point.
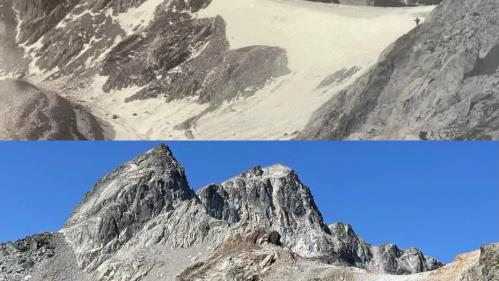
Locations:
(320, 40)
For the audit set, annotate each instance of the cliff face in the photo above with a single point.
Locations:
(439, 81)
(143, 222)
(273, 198)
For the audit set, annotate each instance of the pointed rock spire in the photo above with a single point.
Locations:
(122, 202)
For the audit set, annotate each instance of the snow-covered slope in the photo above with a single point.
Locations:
(320, 40)
(239, 69)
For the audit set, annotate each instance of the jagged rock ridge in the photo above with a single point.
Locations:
(142, 216)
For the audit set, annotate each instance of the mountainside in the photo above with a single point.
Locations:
(156, 69)
(143, 222)
(439, 81)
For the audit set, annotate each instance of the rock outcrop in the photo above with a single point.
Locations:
(385, 258)
(18, 259)
(33, 114)
(439, 81)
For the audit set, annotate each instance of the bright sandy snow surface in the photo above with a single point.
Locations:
(319, 38)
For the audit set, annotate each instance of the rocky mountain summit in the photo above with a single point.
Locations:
(439, 81)
(142, 221)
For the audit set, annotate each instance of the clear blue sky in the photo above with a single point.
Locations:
(441, 197)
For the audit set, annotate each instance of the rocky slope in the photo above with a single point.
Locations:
(439, 81)
(174, 69)
(143, 222)
(33, 114)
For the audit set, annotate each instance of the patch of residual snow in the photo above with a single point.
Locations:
(136, 18)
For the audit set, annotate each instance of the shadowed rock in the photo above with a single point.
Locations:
(32, 114)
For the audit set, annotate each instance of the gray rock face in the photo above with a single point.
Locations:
(32, 114)
(349, 246)
(143, 222)
(274, 198)
(39, 16)
(439, 81)
(386, 258)
(389, 258)
(489, 262)
(120, 204)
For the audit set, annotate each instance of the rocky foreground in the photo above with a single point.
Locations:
(143, 222)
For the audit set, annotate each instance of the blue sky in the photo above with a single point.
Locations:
(442, 197)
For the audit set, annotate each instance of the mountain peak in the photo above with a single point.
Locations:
(160, 155)
(124, 201)
(273, 171)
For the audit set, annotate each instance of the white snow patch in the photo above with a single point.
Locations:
(139, 17)
(276, 171)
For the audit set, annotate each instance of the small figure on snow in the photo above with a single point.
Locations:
(418, 21)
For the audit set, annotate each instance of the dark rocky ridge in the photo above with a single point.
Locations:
(33, 114)
(430, 84)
